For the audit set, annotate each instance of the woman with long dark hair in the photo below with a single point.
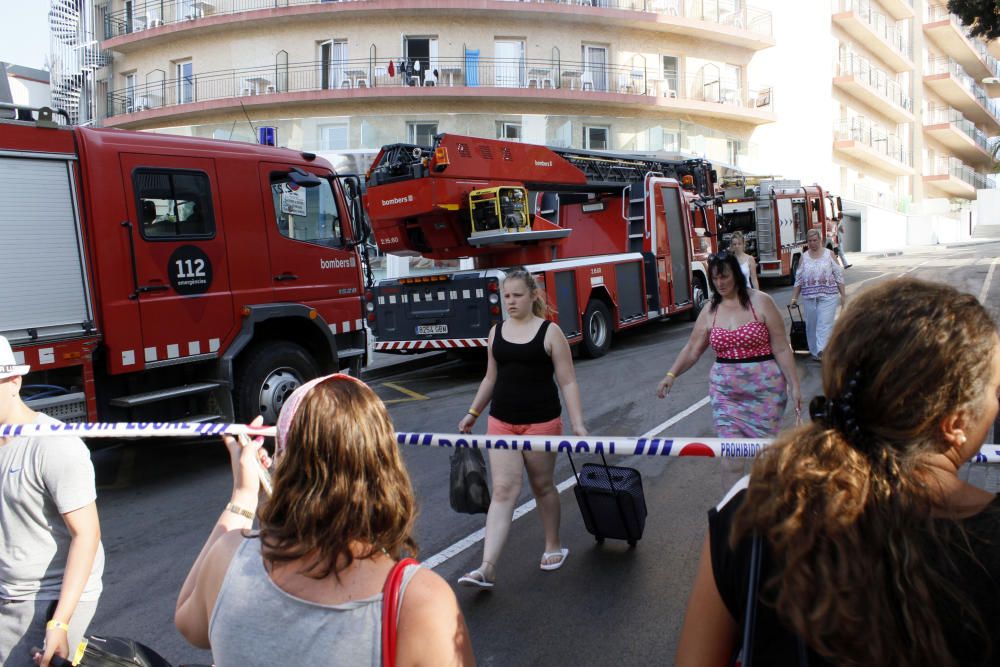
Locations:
(873, 550)
(307, 589)
(754, 370)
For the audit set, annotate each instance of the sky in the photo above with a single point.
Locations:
(24, 32)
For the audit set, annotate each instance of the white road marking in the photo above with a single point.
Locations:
(450, 552)
(989, 279)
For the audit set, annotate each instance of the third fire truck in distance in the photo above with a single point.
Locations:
(614, 240)
(774, 217)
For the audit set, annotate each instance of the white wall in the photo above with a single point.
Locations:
(882, 229)
(987, 207)
(28, 92)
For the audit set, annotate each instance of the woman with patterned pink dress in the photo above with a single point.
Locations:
(754, 371)
(819, 280)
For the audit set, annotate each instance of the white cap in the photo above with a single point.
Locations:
(8, 365)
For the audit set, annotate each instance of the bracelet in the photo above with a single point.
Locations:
(57, 625)
(670, 374)
(236, 509)
(473, 412)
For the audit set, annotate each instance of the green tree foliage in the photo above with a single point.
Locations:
(982, 17)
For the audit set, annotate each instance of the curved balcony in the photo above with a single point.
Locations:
(874, 87)
(950, 177)
(947, 78)
(160, 20)
(959, 135)
(953, 39)
(877, 32)
(457, 79)
(867, 142)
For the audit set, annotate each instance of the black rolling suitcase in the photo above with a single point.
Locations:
(797, 332)
(611, 501)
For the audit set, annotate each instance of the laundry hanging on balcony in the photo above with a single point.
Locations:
(472, 67)
(392, 68)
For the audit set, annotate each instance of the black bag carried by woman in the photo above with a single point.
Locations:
(470, 493)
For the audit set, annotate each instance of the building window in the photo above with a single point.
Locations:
(671, 76)
(334, 137)
(596, 138)
(306, 214)
(732, 83)
(421, 57)
(733, 151)
(595, 67)
(509, 56)
(174, 204)
(333, 55)
(130, 81)
(421, 134)
(509, 131)
(184, 73)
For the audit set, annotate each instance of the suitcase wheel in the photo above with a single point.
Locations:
(600, 540)
(631, 544)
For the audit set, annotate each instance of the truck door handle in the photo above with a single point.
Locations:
(287, 276)
(151, 288)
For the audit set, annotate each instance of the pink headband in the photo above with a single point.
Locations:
(291, 406)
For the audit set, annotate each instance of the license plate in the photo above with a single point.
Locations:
(431, 329)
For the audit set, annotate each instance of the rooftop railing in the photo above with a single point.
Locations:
(877, 79)
(886, 28)
(470, 72)
(874, 136)
(154, 13)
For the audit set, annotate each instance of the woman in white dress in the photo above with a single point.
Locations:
(738, 246)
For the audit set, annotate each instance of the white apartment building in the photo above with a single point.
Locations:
(886, 102)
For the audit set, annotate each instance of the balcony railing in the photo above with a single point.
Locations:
(940, 13)
(155, 13)
(940, 115)
(942, 65)
(874, 136)
(499, 73)
(876, 79)
(883, 26)
(955, 167)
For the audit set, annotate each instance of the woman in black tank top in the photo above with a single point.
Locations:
(525, 351)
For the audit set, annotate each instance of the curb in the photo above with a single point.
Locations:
(406, 364)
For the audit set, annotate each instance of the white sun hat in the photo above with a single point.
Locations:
(8, 364)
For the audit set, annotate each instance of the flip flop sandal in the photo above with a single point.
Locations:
(562, 554)
(475, 579)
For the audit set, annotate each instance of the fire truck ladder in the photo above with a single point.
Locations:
(764, 211)
(634, 208)
(610, 170)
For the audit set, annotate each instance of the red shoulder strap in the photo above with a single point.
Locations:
(390, 610)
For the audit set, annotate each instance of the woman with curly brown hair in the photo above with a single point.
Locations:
(872, 549)
(307, 588)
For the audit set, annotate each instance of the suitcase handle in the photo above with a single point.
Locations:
(797, 309)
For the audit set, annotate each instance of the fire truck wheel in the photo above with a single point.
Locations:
(790, 279)
(268, 375)
(699, 296)
(596, 329)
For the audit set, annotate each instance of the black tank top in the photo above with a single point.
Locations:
(525, 391)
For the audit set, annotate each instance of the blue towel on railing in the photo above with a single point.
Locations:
(472, 67)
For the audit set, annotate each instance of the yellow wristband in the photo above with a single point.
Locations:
(236, 509)
(57, 625)
(670, 374)
(473, 412)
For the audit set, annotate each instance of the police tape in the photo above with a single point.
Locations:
(732, 448)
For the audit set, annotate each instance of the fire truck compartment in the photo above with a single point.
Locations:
(45, 293)
(432, 307)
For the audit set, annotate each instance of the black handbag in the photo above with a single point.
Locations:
(470, 494)
(98, 651)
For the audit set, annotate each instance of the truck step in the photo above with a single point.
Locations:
(348, 352)
(201, 419)
(164, 394)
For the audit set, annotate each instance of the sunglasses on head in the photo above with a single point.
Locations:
(720, 256)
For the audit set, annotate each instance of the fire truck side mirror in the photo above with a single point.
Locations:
(840, 208)
(304, 179)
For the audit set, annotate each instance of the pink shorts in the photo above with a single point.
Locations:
(496, 427)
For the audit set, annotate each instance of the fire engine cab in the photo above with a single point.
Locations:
(148, 277)
(774, 217)
(614, 240)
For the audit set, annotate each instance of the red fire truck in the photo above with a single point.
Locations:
(616, 240)
(148, 277)
(774, 217)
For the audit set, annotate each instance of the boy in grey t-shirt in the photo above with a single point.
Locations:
(51, 557)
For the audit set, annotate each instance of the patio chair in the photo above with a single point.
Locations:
(587, 79)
